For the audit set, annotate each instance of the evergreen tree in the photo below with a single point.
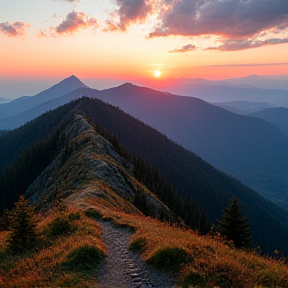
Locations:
(234, 226)
(4, 221)
(22, 227)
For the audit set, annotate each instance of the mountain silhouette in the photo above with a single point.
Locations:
(24, 103)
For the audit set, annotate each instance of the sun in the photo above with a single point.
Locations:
(157, 73)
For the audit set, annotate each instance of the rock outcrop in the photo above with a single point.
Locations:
(89, 168)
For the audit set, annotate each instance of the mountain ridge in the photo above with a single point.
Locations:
(187, 172)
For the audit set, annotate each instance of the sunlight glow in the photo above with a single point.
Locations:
(157, 73)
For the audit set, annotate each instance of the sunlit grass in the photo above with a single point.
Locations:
(214, 263)
(45, 266)
(198, 261)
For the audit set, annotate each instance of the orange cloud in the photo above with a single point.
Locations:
(14, 29)
(73, 22)
(184, 49)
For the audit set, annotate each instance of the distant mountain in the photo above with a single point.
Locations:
(242, 107)
(24, 103)
(248, 148)
(228, 93)
(11, 122)
(69, 162)
(2, 100)
(278, 116)
(263, 82)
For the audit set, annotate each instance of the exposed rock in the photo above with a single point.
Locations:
(89, 167)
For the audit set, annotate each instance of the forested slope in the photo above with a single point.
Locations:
(192, 177)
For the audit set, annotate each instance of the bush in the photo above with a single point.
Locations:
(194, 279)
(139, 245)
(74, 216)
(60, 226)
(92, 213)
(84, 258)
(171, 259)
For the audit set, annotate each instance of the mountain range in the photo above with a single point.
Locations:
(249, 148)
(52, 158)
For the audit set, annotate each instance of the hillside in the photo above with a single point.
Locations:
(87, 193)
(278, 116)
(211, 189)
(249, 149)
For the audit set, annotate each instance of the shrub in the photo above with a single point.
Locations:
(60, 226)
(92, 213)
(171, 259)
(194, 279)
(84, 258)
(138, 245)
(74, 216)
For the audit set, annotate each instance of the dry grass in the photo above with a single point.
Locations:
(45, 266)
(211, 263)
(214, 263)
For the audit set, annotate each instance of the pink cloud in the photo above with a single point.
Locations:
(76, 21)
(73, 22)
(14, 29)
(229, 18)
(184, 49)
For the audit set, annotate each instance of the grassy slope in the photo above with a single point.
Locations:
(210, 261)
(47, 265)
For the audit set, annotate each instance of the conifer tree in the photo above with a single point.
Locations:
(234, 226)
(4, 221)
(22, 227)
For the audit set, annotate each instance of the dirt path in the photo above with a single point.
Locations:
(123, 268)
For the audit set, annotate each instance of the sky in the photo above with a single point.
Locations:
(108, 42)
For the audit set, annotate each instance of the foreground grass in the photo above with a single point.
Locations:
(198, 261)
(69, 249)
(66, 239)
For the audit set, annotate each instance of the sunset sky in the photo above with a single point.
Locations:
(127, 40)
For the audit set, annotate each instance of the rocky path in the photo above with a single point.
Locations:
(123, 268)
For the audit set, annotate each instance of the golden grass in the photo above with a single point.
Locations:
(216, 264)
(44, 267)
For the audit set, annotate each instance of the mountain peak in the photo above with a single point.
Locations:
(127, 84)
(74, 81)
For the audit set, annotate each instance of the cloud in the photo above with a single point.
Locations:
(239, 44)
(129, 12)
(42, 33)
(14, 29)
(184, 49)
(76, 21)
(229, 18)
(73, 22)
